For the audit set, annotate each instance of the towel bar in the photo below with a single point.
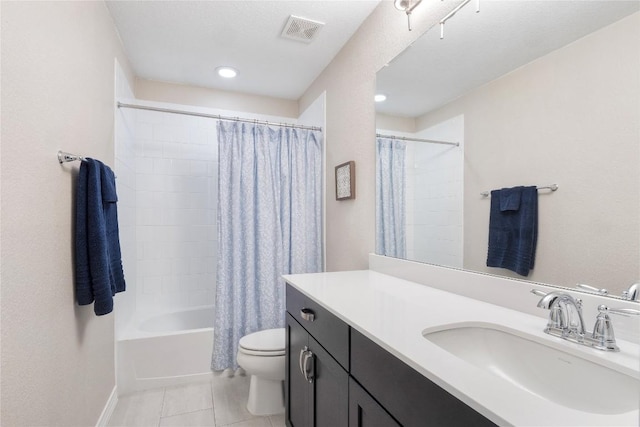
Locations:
(64, 157)
(552, 187)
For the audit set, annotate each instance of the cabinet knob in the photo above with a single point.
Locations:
(307, 314)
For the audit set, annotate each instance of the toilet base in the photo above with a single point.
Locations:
(266, 397)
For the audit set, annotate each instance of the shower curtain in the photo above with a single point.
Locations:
(390, 197)
(269, 224)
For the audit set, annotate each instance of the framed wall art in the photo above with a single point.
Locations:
(346, 181)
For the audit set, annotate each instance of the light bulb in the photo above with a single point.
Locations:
(227, 72)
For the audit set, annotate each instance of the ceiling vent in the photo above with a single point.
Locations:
(301, 29)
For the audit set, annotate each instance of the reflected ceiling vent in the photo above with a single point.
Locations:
(301, 29)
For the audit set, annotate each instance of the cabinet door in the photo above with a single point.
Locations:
(297, 388)
(409, 396)
(364, 411)
(330, 389)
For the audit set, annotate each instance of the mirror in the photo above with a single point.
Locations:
(534, 93)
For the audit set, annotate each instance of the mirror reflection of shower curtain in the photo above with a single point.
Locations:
(269, 224)
(390, 198)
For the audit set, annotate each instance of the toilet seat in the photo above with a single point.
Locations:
(269, 342)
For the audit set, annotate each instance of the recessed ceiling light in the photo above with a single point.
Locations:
(227, 72)
(380, 97)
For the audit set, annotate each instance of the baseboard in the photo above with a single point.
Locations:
(109, 407)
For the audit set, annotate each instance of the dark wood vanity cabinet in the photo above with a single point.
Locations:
(317, 386)
(364, 411)
(336, 377)
(297, 387)
(409, 396)
(317, 363)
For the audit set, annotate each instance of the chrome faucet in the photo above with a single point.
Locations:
(565, 316)
(566, 322)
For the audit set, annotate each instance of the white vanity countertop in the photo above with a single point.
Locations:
(394, 312)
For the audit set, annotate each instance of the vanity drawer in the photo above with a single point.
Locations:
(325, 327)
(409, 396)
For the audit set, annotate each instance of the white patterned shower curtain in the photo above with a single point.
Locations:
(390, 198)
(269, 224)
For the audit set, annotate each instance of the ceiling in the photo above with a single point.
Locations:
(480, 47)
(185, 41)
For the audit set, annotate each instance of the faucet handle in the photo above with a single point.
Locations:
(592, 289)
(633, 293)
(621, 311)
(603, 329)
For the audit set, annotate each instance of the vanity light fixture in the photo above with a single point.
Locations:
(227, 72)
(379, 97)
(453, 12)
(407, 6)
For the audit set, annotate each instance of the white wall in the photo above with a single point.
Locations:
(176, 199)
(57, 93)
(396, 123)
(125, 169)
(212, 98)
(349, 82)
(435, 180)
(570, 118)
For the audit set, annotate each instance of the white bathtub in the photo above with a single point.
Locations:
(166, 349)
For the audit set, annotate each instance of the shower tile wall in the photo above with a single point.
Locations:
(434, 195)
(124, 167)
(176, 195)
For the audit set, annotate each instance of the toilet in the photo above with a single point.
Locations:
(261, 354)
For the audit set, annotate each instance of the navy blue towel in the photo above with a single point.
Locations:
(513, 233)
(99, 274)
(510, 199)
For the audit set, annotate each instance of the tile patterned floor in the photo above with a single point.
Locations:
(218, 403)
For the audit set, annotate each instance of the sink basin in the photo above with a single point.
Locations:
(544, 371)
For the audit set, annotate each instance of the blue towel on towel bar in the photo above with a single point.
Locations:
(510, 199)
(98, 263)
(513, 233)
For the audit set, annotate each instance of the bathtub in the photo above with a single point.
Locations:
(165, 349)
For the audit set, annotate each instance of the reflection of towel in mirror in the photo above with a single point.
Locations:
(98, 262)
(513, 232)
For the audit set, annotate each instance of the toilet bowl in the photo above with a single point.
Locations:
(261, 354)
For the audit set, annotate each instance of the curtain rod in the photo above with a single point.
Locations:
(216, 116)
(404, 138)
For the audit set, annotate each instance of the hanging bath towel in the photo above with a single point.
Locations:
(513, 229)
(99, 274)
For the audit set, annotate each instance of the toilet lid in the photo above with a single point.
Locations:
(268, 341)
